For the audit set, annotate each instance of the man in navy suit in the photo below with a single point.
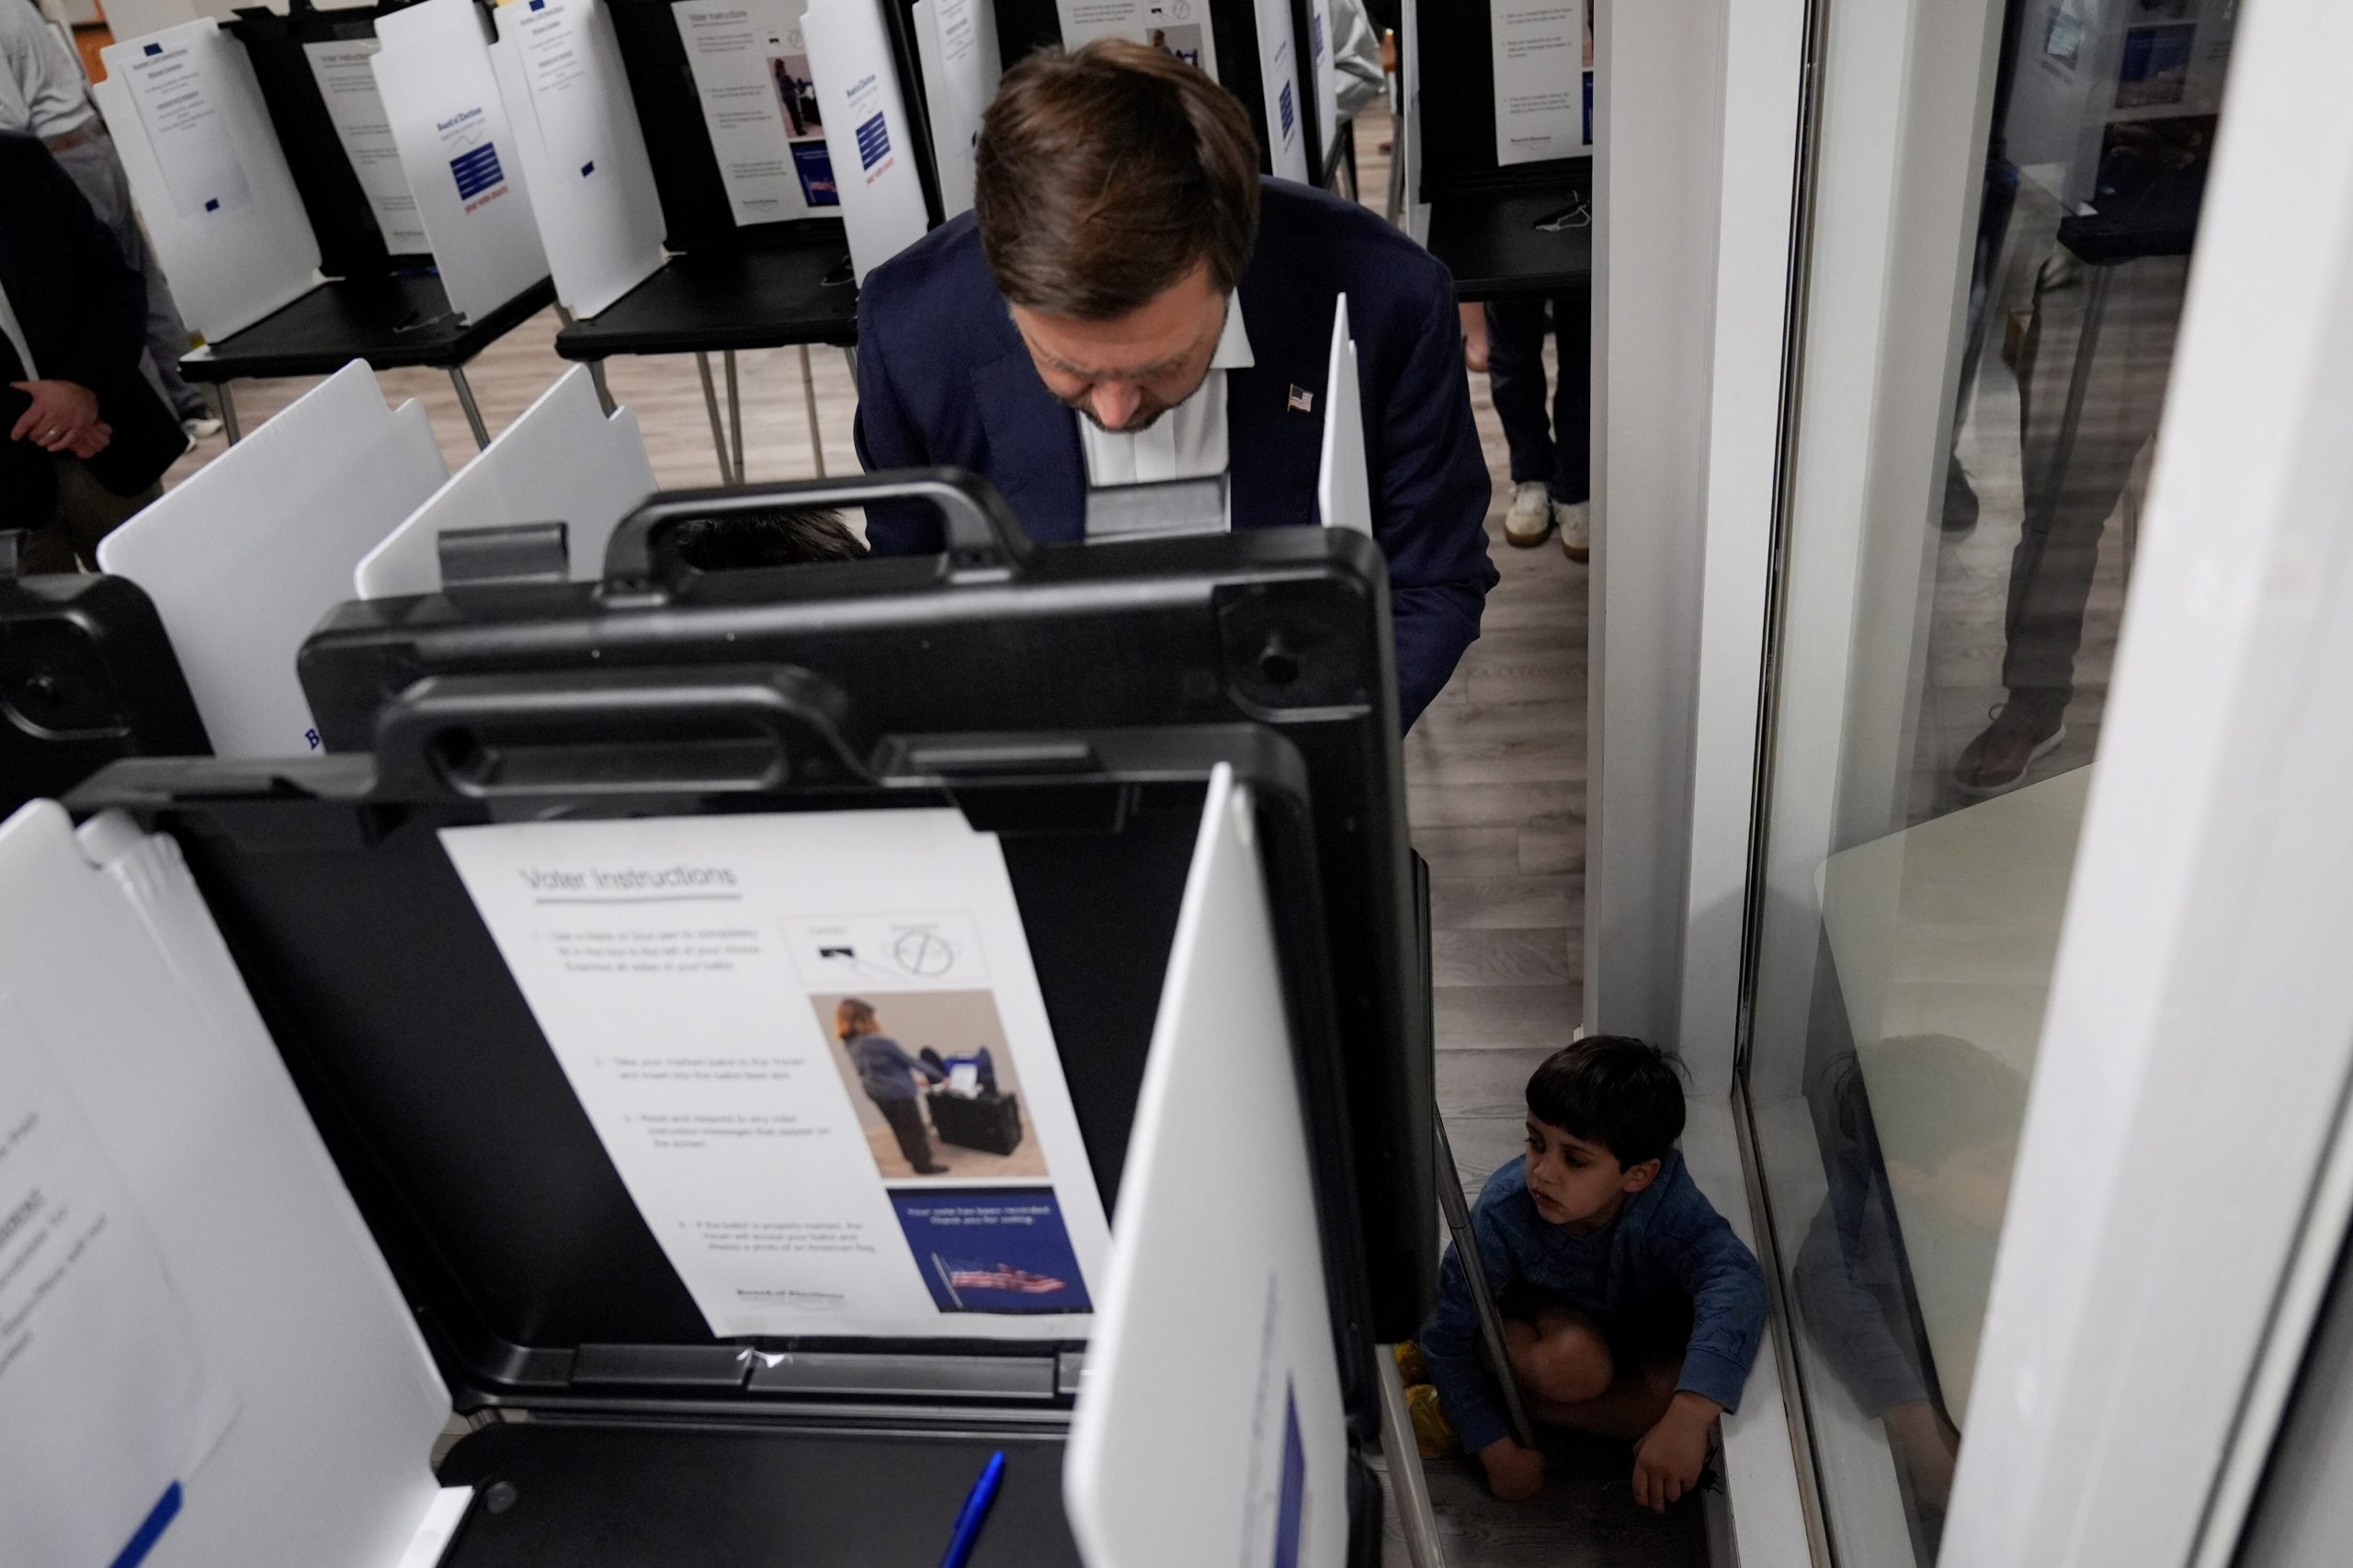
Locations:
(1129, 302)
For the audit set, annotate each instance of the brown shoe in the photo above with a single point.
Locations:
(2024, 731)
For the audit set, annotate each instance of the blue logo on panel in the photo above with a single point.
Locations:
(1315, 35)
(873, 142)
(477, 170)
(153, 49)
(1287, 108)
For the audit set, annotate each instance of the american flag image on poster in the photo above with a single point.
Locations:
(967, 1275)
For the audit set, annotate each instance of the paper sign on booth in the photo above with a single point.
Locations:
(816, 1049)
(751, 71)
(109, 1399)
(344, 71)
(866, 129)
(175, 94)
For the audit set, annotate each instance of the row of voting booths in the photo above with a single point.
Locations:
(404, 182)
(1495, 143)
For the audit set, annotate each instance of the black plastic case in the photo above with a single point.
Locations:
(999, 658)
(86, 676)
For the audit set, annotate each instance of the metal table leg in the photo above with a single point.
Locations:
(1407, 1484)
(603, 393)
(466, 402)
(851, 355)
(735, 421)
(1466, 1249)
(229, 413)
(809, 396)
(711, 406)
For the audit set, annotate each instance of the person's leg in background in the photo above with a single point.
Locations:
(2058, 548)
(96, 171)
(85, 513)
(1572, 480)
(907, 1125)
(1516, 378)
(1993, 229)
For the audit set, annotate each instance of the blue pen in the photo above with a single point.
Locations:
(976, 1514)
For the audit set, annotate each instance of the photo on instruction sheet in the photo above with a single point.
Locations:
(993, 1249)
(933, 1080)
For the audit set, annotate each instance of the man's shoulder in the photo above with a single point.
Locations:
(1302, 226)
(942, 277)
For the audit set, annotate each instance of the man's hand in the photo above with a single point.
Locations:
(1668, 1460)
(1514, 1474)
(61, 415)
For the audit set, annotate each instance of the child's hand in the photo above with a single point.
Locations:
(1514, 1474)
(1668, 1460)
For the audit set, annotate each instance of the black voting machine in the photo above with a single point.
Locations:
(1073, 700)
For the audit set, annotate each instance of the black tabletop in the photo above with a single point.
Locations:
(709, 302)
(391, 322)
(1489, 239)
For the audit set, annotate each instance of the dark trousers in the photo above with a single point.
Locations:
(2074, 479)
(1559, 453)
(85, 513)
(906, 1124)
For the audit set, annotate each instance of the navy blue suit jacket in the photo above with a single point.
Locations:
(944, 378)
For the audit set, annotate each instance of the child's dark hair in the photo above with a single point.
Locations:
(790, 536)
(1612, 1089)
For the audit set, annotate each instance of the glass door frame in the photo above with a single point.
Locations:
(2186, 1173)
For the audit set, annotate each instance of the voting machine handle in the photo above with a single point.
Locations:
(985, 541)
(722, 729)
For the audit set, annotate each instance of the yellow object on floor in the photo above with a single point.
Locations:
(1411, 1367)
(1433, 1433)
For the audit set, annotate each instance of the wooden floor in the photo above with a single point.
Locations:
(1497, 772)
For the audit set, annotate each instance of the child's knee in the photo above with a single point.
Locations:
(1569, 1364)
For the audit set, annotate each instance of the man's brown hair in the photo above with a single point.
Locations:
(1104, 175)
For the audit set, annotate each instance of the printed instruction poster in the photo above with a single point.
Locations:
(1180, 27)
(173, 91)
(1543, 66)
(108, 1403)
(564, 73)
(815, 1049)
(759, 102)
(346, 81)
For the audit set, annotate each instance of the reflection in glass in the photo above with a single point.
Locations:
(1932, 740)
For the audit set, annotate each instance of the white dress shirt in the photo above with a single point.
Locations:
(1186, 442)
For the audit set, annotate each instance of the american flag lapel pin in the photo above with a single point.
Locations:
(1302, 401)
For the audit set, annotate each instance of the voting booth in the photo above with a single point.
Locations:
(369, 144)
(1499, 105)
(564, 464)
(788, 159)
(1251, 47)
(495, 1068)
(242, 560)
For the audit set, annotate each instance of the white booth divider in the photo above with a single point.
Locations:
(583, 150)
(458, 148)
(956, 44)
(564, 460)
(244, 559)
(1343, 481)
(867, 133)
(211, 181)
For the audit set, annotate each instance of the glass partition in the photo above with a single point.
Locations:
(2003, 208)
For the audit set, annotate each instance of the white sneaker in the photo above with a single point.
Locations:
(200, 426)
(1530, 517)
(1576, 527)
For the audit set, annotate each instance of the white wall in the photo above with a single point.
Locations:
(1659, 79)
